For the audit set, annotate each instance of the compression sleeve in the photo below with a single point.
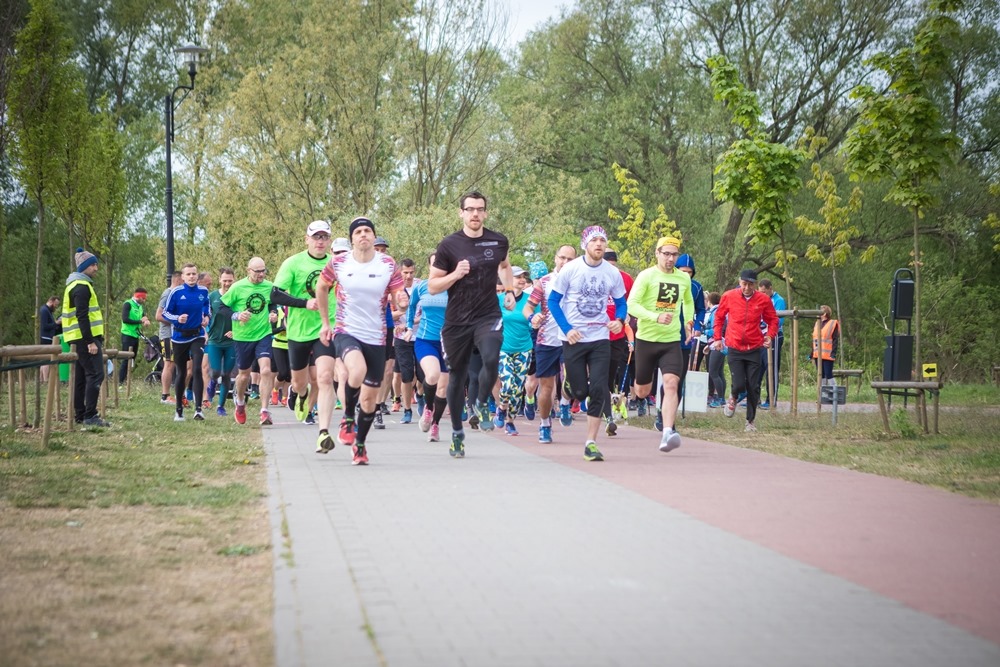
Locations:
(280, 297)
(557, 312)
(621, 309)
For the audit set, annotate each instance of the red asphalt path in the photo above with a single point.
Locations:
(934, 551)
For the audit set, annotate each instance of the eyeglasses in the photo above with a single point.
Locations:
(475, 209)
(321, 237)
(668, 254)
(563, 258)
(258, 270)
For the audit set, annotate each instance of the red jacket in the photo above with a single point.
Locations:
(743, 326)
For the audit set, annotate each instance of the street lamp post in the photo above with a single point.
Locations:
(190, 53)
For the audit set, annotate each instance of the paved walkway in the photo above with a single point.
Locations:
(525, 554)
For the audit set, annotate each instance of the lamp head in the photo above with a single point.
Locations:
(190, 54)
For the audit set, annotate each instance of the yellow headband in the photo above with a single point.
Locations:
(668, 240)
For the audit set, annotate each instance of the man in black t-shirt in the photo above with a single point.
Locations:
(467, 264)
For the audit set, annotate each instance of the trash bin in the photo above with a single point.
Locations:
(827, 394)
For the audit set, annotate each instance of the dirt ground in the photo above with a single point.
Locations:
(136, 586)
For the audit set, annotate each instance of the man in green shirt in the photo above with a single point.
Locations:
(656, 299)
(133, 320)
(312, 362)
(250, 300)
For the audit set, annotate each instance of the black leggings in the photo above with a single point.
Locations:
(193, 350)
(587, 373)
(716, 373)
(458, 342)
(745, 369)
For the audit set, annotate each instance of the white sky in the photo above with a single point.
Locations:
(525, 15)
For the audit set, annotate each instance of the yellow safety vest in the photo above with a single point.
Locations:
(71, 327)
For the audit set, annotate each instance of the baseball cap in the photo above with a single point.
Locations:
(381, 241)
(611, 255)
(748, 275)
(340, 245)
(517, 271)
(318, 227)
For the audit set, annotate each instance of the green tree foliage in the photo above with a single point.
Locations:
(899, 136)
(637, 238)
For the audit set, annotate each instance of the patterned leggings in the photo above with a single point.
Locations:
(513, 371)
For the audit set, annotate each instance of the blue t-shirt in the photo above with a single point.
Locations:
(190, 301)
(516, 327)
(432, 310)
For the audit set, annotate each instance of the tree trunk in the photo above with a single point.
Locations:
(38, 301)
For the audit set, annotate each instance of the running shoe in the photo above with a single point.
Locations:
(730, 409)
(407, 416)
(465, 414)
(457, 449)
(765, 405)
(565, 417)
(360, 455)
(500, 418)
(265, 418)
(311, 418)
(658, 422)
(212, 386)
(324, 443)
(750, 428)
(221, 411)
(491, 404)
(591, 452)
(275, 397)
(397, 404)
(383, 409)
(206, 403)
(345, 436)
(611, 428)
(670, 440)
(291, 400)
(96, 422)
(425, 420)
(510, 429)
(253, 394)
(575, 407)
(529, 410)
(302, 406)
(241, 414)
(434, 435)
(640, 407)
(199, 416)
(169, 400)
(188, 395)
(545, 435)
(378, 421)
(485, 422)
(473, 420)
(421, 404)
(178, 417)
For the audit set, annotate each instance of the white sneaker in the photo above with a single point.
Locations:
(670, 441)
(178, 418)
(750, 428)
(730, 408)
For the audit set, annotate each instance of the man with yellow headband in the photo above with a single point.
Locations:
(656, 300)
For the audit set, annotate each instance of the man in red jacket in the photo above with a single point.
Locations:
(742, 310)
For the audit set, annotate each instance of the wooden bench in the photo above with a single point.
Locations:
(907, 388)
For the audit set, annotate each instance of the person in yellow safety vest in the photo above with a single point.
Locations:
(826, 340)
(83, 329)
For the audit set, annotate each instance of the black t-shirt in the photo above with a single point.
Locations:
(472, 298)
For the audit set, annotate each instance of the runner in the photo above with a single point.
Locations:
(166, 350)
(586, 283)
(659, 296)
(426, 312)
(313, 363)
(548, 347)
(250, 300)
(220, 350)
(405, 369)
(467, 264)
(365, 281)
(515, 356)
(187, 310)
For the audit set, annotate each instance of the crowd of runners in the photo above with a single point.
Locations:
(345, 336)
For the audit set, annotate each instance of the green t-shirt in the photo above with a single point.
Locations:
(254, 299)
(221, 321)
(654, 293)
(297, 276)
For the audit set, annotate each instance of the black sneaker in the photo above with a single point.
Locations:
(378, 420)
(382, 409)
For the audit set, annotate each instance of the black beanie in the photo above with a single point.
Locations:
(360, 222)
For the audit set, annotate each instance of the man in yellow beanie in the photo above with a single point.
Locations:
(83, 329)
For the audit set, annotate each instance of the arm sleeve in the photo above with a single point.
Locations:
(557, 312)
(635, 306)
(126, 312)
(621, 309)
(280, 297)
